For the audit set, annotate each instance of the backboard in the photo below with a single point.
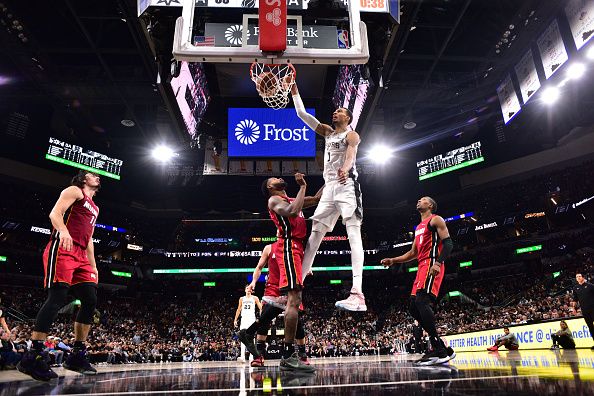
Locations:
(227, 31)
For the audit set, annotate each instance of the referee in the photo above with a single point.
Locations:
(584, 293)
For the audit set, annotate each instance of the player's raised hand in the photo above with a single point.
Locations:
(387, 262)
(300, 179)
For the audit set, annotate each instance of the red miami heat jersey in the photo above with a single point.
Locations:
(289, 227)
(273, 279)
(427, 241)
(80, 220)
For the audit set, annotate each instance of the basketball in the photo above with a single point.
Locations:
(267, 84)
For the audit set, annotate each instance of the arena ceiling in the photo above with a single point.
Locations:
(83, 67)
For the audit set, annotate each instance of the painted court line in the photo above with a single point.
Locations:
(308, 386)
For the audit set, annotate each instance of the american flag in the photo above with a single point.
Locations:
(204, 41)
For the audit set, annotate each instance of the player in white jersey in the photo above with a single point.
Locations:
(341, 196)
(247, 309)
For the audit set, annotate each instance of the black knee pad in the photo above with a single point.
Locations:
(263, 328)
(268, 314)
(56, 299)
(423, 299)
(87, 294)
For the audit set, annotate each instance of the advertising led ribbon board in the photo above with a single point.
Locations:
(76, 156)
(268, 133)
(450, 161)
(537, 336)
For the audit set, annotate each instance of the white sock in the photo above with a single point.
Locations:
(242, 351)
(313, 244)
(357, 257)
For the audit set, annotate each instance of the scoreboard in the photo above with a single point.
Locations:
(450, 161)
(76, 156)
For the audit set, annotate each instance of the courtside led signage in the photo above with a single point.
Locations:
(122, 274)
(529, 249)
(268, 133)
(249, 270)
(335, 281)
(466, 264)
(3, 258)
(413, 269)
(556, 274)
(454, 294)
(210, 284)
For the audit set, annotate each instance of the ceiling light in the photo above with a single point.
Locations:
(553, 201)
(550, 95)
(380, 154)
(127, 123)
(163, 153)
(576, 71)
(591, 53)
(410, 125)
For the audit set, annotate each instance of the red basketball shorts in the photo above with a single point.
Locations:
(428, 283)
(65, 267)
(289, 257)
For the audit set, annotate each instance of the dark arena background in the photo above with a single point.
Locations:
(487, 107)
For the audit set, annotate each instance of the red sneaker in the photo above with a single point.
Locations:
(258, 362)
(493, 348)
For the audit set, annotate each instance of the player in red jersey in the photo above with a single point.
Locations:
(286, 214)
(274, 305)
(431, 248)
(69, 264)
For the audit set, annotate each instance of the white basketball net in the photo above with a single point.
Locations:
(273, 83)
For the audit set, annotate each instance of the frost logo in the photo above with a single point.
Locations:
(233, 34)
(247, 132)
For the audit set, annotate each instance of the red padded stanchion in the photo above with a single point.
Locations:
(272, 20)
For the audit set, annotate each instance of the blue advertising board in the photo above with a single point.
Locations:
(269, 133)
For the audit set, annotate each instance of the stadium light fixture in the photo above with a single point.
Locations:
(380, 154)
(576, 71)
(550, 95)
(553, 201)
(163, 153)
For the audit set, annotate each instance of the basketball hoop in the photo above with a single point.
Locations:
(273, 82)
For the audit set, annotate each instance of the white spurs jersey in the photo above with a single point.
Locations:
(334, 156)
(248, 310)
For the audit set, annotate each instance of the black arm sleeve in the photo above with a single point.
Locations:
(446, 248)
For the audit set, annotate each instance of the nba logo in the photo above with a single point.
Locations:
(343, 39)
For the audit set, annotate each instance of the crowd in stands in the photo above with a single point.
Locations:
(164, 327)
(160, 321)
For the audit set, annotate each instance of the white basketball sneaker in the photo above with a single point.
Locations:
(355, 303)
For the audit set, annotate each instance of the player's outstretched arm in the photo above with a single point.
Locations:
(308, 202)
(308, 119)
(405, 258)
